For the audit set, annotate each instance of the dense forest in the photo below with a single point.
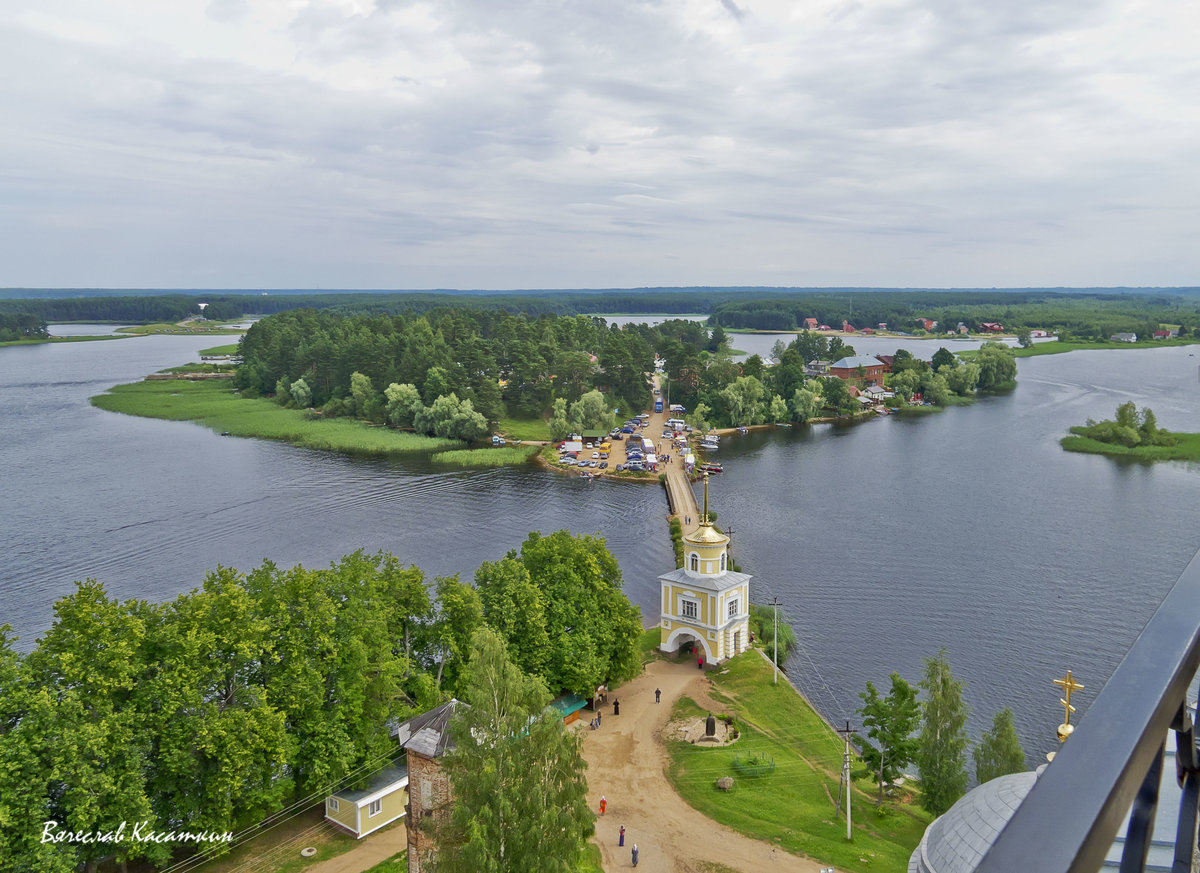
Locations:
(270, 688)
(1085, 315)
(454, 372)
(1084, 312)
(21, 325)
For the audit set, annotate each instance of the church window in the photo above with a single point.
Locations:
(722, 562)
(733, 608)
(688, 609)
(695, 562)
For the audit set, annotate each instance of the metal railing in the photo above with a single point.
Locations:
(1112, 765)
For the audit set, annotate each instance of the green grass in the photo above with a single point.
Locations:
(486, 457)
(1187, 449)
(648, 643)
(589, 859)
(1058, 347)
(166, 327)
(395, 864)
(793, 807)
(524, 429)
(59, 339)
(231, 349)
(214, 405)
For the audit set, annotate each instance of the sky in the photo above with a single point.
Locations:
(492, 144)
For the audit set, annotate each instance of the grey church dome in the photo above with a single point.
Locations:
(958, 839)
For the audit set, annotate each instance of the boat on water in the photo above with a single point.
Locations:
(710, 446)
(710, 467)
(743, 430)
(588, 476)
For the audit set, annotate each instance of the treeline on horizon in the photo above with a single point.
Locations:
(738, 307)
(270, 688)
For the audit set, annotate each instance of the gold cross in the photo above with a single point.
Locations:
(1068, 684)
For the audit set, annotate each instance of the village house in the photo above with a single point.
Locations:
(991, 326)
(847, 327)
(848, 369)
(926, 323)
(810, 324)
(366, 810)
(1123, 338)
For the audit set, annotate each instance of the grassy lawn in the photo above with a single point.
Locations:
(1058, 347)
(231, 349)
(793, 807)
(398, 863)
(278, 849)
(648, 642)
(1187, 449)
(166, 327)
(524, 429)
(58, 339)
(214, 405)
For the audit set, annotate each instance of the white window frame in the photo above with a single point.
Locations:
(733, 608)
(332, 803)
(722, 562)
(694, 613)
(695, 563)
(374, 808)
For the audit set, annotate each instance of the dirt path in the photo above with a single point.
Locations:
(373, 849)
(627, 764)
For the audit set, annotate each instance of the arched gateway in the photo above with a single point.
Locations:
(705, 602)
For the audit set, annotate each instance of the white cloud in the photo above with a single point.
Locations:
(506, 144)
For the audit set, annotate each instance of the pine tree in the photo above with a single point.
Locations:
(517, 774)
(942, 746)
(999, 751)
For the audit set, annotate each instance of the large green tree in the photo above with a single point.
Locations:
(941, 755)
(889, 722)
(587, 625)
(999, 751)
(519, 793)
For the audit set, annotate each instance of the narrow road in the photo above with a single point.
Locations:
(627, 764)
(683, 500)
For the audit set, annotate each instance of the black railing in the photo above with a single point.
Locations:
(1113, 762)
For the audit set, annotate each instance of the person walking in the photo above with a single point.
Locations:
(598, 715)
(635, 854)
(603, 804)
(616, 707)
(658, 695)
(621, 838)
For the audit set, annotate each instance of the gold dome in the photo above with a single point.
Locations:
(706, 535)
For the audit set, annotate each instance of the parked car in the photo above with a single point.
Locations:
(627, 429)
(604, 465)
(595, 454)
(604, 454)
(620, 467)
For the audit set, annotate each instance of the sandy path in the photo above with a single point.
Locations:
(627, 764)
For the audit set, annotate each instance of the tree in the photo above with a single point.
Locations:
(941, 755)
(591, 627)
(935, 388)
(943, 357)
(591, 411)
(451, 418)
(999, 751)
(403, 403)
(890, 722)
(1024, 337)
(301, 394)
(459, 614)
(807, 401)
(513, 606)
(283, 394)
(962, 378)
(743, 399)
(779, 408)
(361, 391)
(559, 425)
(997, 365)
(520, 803)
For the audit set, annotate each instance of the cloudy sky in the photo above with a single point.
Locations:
(598, 143)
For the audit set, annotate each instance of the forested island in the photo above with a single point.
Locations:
(1132, 434)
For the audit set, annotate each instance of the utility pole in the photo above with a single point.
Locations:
(775, 639)
(846, 777)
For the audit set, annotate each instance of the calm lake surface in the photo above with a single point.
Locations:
(884, 540)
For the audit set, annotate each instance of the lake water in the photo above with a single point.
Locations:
(883, 540)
